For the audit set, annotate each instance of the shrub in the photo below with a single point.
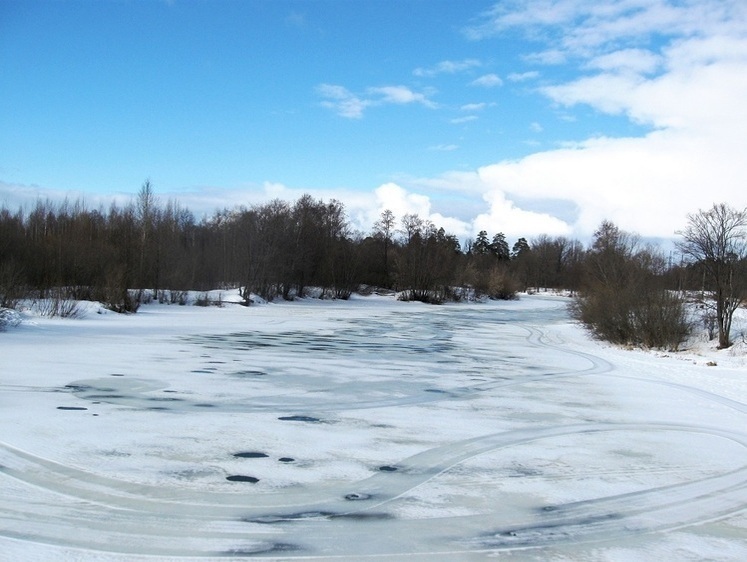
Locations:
(641, 315)
(59, 302)
(8, 318)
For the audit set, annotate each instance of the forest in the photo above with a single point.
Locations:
(626, 291)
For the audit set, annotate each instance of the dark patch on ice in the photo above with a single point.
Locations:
(165, 399)
(273, 519)
(288, 518)
(71, 408)
(202, 371)
(104, 396)
(158, 408)
(287, 459)
(95, 415)
(204, 405)
(116, 375)
(364, 516)
(242, 478)
(275, 547)
(542, 533)
(170, 391)
(436, 390)
(78, 387)
(249, 374)
(308, 419)
(550, 508)
(88, 388)
(251, 455)
(355, 496)
(388, 468)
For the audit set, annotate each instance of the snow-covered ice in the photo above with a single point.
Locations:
(364, 429)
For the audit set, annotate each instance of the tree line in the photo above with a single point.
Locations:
(625, 292)
(275, 249)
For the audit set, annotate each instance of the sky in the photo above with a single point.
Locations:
(525, 117)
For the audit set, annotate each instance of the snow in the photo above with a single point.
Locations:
(410, 431)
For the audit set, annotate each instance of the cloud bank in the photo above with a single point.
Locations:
(677, 69)
(687, 86)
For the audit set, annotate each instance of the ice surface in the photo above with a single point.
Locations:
(364, 429)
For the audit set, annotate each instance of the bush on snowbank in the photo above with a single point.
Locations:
(8, 318)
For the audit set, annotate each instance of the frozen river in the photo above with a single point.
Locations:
(362, 429)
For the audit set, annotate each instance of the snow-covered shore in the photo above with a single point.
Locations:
(365, 428)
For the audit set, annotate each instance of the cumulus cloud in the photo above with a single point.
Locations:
(447, 67)
(462, 120)
(474, 106)
(523, 76)
(487, 81)
(342, 101)
(688, 90)
(504, 216)
(347, 104)
(399, 95)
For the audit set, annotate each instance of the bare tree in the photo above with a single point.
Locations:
(384, 229)
(623, 298)
(717, 239)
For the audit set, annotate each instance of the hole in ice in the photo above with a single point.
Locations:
(270, 519)
(364, 516)
(78, 387)
(388, 468)
(249, 374)
(300, 418)
(357, 496)
(242, 478)
(204, 405)
(117, 375)
(275, 547)
(70, 408)
(286, 459)
(250, 455)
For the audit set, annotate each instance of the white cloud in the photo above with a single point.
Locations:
(461, 120)
(444, 147)
(474, 106)
(504, 216)
(342, 101)
(487, 81)
(638, 61)
(523, 76)
(347, 104)
(590, 24)
(399, 95)
(536, 127)
(447, 67)
(688, 87)
(401, 202)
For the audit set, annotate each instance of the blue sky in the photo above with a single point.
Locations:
(522, 116)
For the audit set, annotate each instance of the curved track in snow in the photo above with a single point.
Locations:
(60, 505)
